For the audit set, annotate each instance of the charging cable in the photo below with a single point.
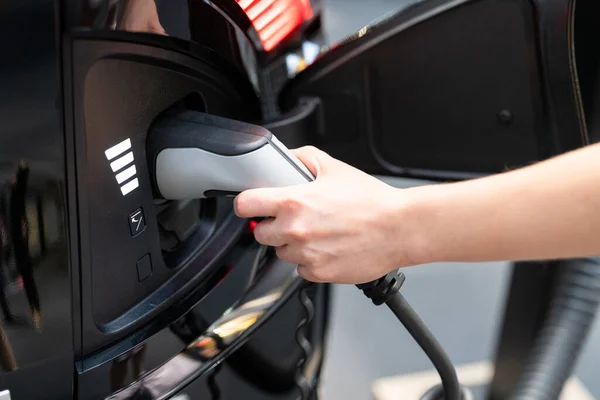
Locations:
(387, 290)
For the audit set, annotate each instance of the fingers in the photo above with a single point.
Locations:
(313, 158)
(304, 272)
(268, 233)
(307, 272)
(266, 202)
(257, 203)
(288, 254)
(306, 269)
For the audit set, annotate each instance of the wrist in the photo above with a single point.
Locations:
(420, 224)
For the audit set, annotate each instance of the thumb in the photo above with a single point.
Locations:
(314, 159)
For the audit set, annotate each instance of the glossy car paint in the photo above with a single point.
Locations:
(43, 354)
(37, 355)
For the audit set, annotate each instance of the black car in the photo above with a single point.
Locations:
(111, 293)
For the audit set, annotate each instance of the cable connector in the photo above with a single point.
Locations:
(383, 289)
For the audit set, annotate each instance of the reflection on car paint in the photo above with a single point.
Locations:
(30, 230)
(37, 330)
(164, 18)
(221, 338)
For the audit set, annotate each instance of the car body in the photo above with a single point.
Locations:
(142, 297)
(187, 293)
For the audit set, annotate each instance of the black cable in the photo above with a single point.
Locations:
(423, 336)
(387, 290)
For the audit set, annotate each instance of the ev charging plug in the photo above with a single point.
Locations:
(195, 155)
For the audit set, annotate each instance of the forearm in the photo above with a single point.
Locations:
(544, 211)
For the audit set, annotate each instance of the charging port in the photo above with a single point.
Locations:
(185, 225)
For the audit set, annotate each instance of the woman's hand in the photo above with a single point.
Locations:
(344, 227)
(141, 16)
(347, 227)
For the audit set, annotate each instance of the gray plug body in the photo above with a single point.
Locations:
(194, 155)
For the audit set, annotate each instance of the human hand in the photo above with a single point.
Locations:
(141, 16)
(344, 227)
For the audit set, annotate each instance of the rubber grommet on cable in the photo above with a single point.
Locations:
(381, 290)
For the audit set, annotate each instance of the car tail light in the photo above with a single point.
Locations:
(274, 20)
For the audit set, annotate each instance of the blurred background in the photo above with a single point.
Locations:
(462, 304)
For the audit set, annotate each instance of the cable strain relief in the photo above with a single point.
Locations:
(383, 289)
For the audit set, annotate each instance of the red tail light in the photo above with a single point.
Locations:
(274, 20)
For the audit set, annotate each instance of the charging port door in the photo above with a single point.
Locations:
(446, 89)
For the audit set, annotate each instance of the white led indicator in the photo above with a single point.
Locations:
(123, 160)
(118, 149)
(128, 173)
(130, 187)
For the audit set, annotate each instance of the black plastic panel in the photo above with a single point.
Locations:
(106, 372)
(442, 86)
(119, 88)
(114, 95)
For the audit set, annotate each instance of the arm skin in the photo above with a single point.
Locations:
(348, 227)
(548, 210)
